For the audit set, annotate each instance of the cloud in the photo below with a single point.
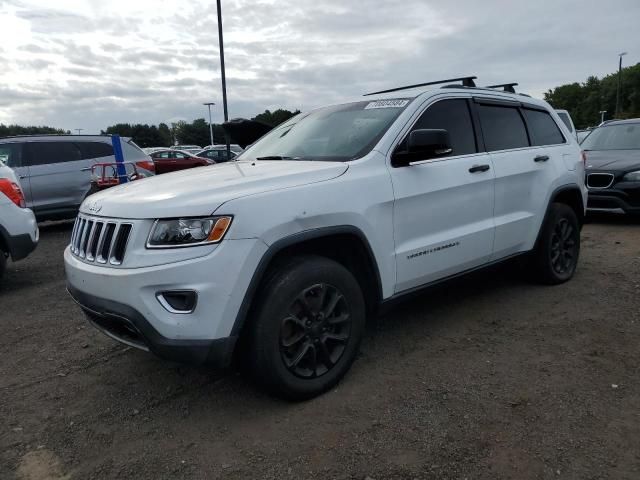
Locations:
(90, 63)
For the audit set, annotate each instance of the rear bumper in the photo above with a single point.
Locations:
(21, 234)
(126, 325)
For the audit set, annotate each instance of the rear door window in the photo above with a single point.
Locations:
(45, 153)
(91, 150)
(502, 127)
(542, 128)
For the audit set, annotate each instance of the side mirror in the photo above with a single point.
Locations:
(422, 145)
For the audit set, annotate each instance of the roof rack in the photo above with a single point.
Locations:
(507, 87)
(466, 82)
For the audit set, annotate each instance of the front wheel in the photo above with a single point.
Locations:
(555, 257)
(308, 326)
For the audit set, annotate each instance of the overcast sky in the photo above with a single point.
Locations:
(92, 63)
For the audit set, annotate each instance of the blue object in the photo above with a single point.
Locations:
(117, 151)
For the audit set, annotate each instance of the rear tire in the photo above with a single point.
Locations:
(307, 327)
(555, 257)
(3, 263)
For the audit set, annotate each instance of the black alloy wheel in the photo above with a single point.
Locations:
(306, 328)
(314, 334)
(554, 259)
(563, 247)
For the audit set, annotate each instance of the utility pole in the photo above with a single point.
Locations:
(208, 104)
(78, 130)
(620, 55)
(224, 78)
(602, 112)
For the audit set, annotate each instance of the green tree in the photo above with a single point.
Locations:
(143, 135)
(11, 130)
(585, 101)
(276, 117)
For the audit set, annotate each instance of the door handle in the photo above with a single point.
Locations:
(541, 158)
(479, 168)
(22, 177)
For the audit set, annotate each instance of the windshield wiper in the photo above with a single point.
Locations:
(277, 157)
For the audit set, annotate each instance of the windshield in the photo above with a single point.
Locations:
(623, 136)
(337, 133)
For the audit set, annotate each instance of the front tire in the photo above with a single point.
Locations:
(307, 328)
(555, 257)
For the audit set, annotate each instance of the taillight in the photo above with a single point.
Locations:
(12, 191)
(147, 165)
(584, 157)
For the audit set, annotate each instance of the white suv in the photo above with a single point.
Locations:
(282, 255)
(18, 228)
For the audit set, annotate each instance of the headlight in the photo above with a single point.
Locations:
(186, 232)
(632, 177)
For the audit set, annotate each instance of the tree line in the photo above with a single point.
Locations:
(187, 133)
(13, 130)
(586, 100)
(162, 135)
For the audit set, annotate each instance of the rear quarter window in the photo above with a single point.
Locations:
(91, 150)
(542, 128)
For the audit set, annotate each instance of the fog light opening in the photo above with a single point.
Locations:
(178, 301)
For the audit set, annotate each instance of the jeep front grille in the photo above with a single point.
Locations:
(600, 180)
(101, 241)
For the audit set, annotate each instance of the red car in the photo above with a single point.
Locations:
(168, 160)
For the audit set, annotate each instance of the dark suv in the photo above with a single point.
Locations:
(613, 167)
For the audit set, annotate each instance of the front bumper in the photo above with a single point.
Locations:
(623, 196)
(127, 325)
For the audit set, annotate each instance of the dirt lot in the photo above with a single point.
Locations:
(487, 377)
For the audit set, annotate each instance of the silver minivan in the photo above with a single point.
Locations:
(55, 170)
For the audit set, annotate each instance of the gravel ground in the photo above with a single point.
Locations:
(486, 377)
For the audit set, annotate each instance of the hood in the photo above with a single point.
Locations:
(618, 160)
(200, 191)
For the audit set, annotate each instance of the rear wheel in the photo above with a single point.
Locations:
(3, 262)
(556, 255)
(308, 327)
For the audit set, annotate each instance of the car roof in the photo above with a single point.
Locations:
(608, 123)
(60, 138)
(432, 90)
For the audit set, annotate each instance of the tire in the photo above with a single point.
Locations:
(3, 263)
(307, 327)
(555, 257)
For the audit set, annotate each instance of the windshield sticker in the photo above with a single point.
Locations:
(394, 103)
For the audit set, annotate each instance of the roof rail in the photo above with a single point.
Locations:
(466, 82)
(507, 87)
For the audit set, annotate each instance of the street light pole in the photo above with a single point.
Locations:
(78, 130)
(208, 104)
(620, 55)
(602, 112)
(224, 78)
